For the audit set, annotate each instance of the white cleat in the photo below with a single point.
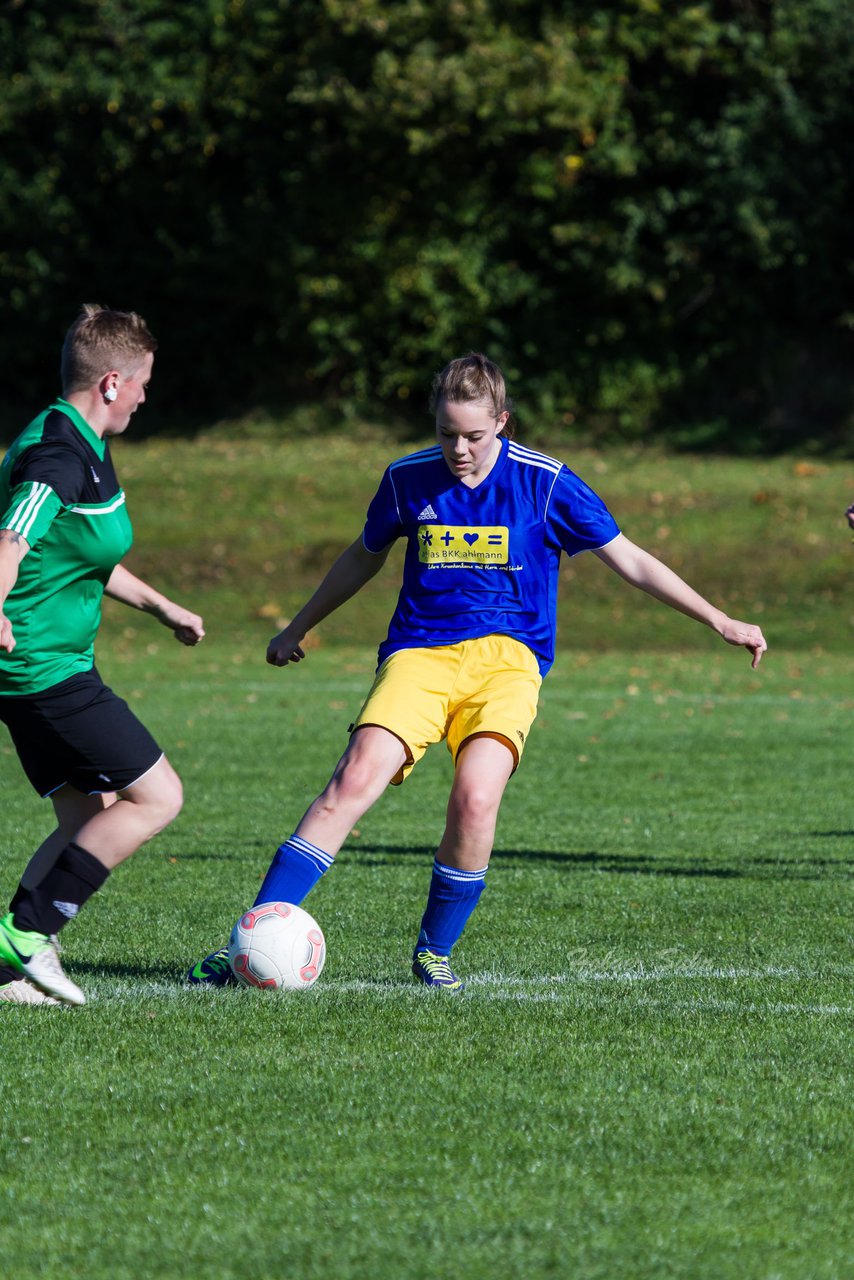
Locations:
(22, 992)
(44, 970)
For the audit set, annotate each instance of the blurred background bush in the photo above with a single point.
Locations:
(641, 209)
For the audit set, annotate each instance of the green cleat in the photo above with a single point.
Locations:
(33, 955)
(435, 971)
(213, 971)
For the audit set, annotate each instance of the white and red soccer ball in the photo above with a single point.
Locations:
(277, 945)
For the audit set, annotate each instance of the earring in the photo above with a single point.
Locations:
(110, 395)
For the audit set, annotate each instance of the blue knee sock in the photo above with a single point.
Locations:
(296, 868)
(452, 898)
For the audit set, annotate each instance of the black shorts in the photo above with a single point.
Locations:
(78, 732)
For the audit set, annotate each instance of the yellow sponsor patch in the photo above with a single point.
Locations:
(463, 544)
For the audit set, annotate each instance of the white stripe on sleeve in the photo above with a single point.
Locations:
(24, 515)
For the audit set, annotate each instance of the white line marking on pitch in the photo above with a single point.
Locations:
(562, 988)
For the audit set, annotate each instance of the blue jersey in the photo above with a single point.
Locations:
(483, 561)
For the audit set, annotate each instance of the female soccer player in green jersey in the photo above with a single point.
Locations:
(486, 521)
(64, 528)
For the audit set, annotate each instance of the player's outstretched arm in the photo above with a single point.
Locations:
(353, 568)
(647, 573)
(130, 590)
(13, 548)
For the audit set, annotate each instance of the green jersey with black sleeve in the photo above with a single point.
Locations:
(59, 491)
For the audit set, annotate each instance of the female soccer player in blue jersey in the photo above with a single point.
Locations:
(64, 527)
(473, 635)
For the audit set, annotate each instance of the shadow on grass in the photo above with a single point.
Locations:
(199, 856)
(157, 972)
(176, 975)
(377, 854)
(241, 847)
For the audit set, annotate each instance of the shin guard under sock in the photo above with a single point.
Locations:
(296, 868)
(453, 896)
(70, 883)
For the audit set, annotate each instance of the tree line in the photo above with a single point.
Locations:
(641, 209)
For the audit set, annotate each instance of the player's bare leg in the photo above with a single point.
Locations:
(72, 808)
(484, 766)
(103, 835)
(361, 776)
(371, 760)
(139, 812)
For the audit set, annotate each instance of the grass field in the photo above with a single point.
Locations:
(650, 1072)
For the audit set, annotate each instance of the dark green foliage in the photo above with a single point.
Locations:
(641, 209)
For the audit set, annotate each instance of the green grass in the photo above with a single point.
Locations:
(252, 525)
(649, 1075)
(650, 1072)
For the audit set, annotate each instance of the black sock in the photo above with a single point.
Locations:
(7, 974)
(17, 898)
(71, 881)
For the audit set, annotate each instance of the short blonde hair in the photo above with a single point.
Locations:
(473, 379)
(101, 340)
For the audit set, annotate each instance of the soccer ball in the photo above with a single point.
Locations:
(277, 945)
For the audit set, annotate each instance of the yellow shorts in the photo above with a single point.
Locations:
(487, 687)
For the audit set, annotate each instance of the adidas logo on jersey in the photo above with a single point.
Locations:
(428, 513)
